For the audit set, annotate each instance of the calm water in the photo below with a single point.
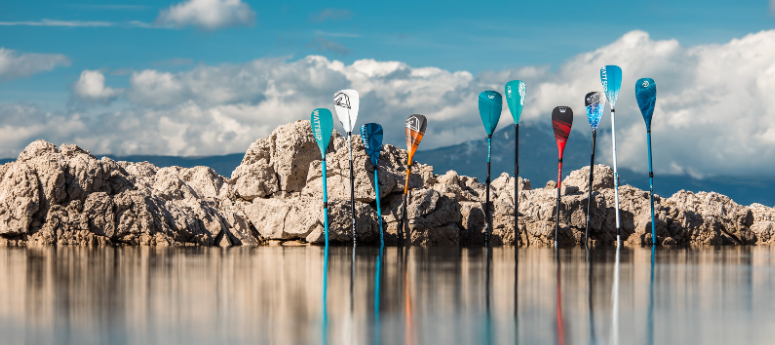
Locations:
(275, 295)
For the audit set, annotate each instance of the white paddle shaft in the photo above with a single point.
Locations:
(616, 175)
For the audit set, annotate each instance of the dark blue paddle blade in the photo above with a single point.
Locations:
(371, 133)
(646, 94)
(490, 107)
(611, 77)
(595, 104)
(322, 125)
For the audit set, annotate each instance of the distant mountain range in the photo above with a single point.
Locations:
(538, 158)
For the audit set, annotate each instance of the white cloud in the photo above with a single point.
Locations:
(208, 14)
(91, 88)
(715, 111)
(13, 65)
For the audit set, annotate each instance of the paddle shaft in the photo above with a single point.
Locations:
(325, 295)
(352, 182)
(616, 178)
(379, 210)
(591, 178)
(559, 190)
(325, 203)
(377, 278)
(404, 225)
(651, 193)
(516, 185)
(487, 194)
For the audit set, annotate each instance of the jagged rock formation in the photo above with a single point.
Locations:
(66, 196)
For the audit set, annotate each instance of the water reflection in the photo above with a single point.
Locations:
(303, 295)
(615, 299)
(590, 305)
(560, 329)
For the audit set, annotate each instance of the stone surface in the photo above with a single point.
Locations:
(65, 196)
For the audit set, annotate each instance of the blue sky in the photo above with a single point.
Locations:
(200, 77)
(453, 35)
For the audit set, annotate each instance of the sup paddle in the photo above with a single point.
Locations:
(346, 104)
(371, 133)
(562, 120)
(595, 105)
(515, 98)
(490, 107)
(646, 94)
(322, 124)
(611, 78)
(415, 129)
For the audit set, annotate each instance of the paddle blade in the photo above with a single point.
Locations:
(595, 103)
(515, 98)
(611, 77)
(415, 129)
(346, 104)
(322, 124)
(490, 106)
(646, 94)
(562, 120)
(371, 133)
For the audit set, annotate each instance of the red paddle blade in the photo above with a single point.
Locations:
(562, 120)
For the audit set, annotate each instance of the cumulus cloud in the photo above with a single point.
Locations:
(208, 14)
(90, 88)
(14, 65)
(715, 112)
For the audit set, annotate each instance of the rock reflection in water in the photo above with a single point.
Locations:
(276, 295)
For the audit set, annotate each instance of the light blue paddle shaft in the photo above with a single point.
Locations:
(325, 204)
(377, 277)
(324, 326)
(379, 210)
(651, 187)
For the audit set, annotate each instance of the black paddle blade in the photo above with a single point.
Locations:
(562, 120)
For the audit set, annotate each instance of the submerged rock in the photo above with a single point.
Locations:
(66, 196)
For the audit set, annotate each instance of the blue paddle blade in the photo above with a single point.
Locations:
(490, 107)
(611, 77)
(371, 133)
(595, 104)
(646, 94)
(515, 98)
(322, 125)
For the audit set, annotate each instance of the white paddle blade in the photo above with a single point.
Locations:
(346, 103)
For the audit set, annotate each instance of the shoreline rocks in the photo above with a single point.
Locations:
(66, 196)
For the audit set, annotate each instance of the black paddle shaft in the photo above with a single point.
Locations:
(516, 185)
(352, 189)
(487, 199)
(559, 190)
(591, 178)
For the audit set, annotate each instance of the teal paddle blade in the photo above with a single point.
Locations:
(515, 98)
(611, 77)
(371, 133)
(595, 104)
(490, 107)
(646, 94)
(322, 125)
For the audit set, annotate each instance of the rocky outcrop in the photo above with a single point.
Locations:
(66, 196)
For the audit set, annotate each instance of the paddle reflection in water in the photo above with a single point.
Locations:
(590, 305)
(377, 286)
(273, 295)
(560, 329)
(324, 301)
(615, 299)
(650, 326)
